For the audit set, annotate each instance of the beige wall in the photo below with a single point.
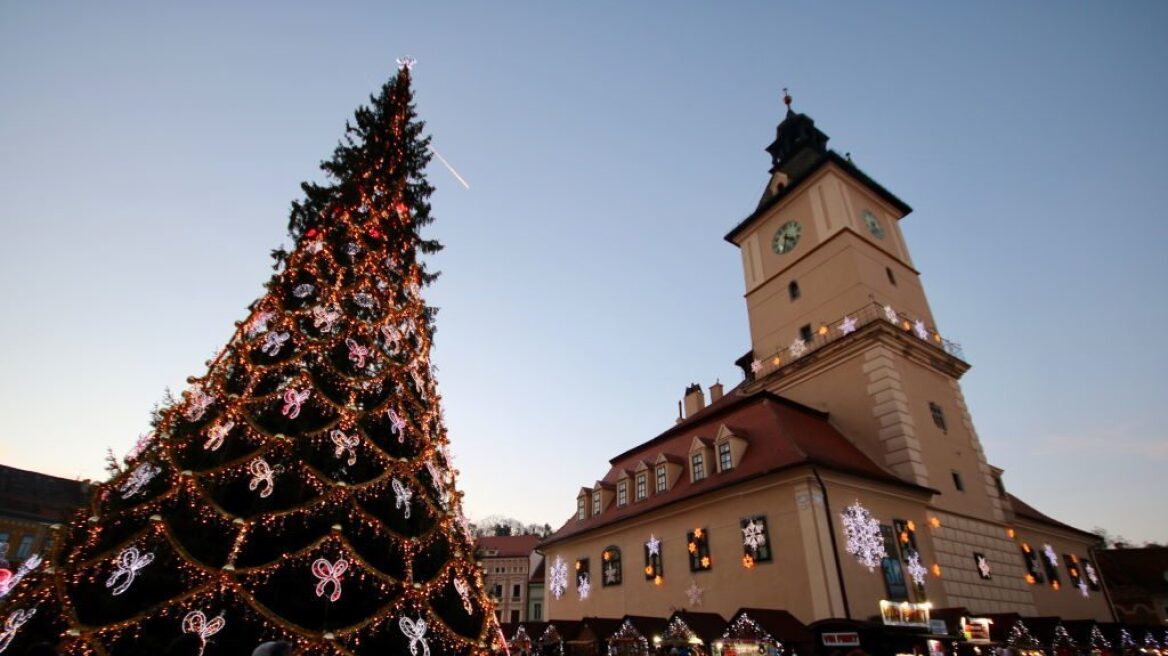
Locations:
(514, 572)
(1066, 602)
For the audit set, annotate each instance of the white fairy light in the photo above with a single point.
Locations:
(128, 563)
(293, 398)
(197, 403)
(402, 496)
(415, 630)
(559, 577)
(12, 624)
(262, 474)
(216, 435)
(138, 478)
(915, 569)
(345, 444)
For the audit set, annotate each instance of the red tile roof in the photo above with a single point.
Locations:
(781, 434)
(1026, 511)
(508, 546)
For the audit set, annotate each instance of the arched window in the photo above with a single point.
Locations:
(611, 569)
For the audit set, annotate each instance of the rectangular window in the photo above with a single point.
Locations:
(1091, 574)
(894, 583)
(805, 334)
(514, 617)
(536, 612)
(515, 591)
(699, 466)
(698, 544)
(1050, 566)
(1073, 573)
(622, 493)
(960, 486)
(756, 542)
(1033, 571)
(793, 290)
(612, 566)
(595, 503)
(582, 572)
(580, 511)
(497, 591)
(653, 566)
(662, 479)
(906, 542)
(725, 461)
(642, 486)
(25, 547)
(938, 416)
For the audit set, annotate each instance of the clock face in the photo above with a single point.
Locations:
(787, 236)
(873, 224)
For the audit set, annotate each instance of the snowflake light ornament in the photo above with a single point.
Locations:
(273, 342)
(293, 399)
(848, 325)
(559, 577)
(753, 537)
(415, 630)
(694, 593)
(798, 347)
(756, 365)
(1051, 556)
(920, 329)
(138, 478)
(345, 444)
(916, 570)
(583, 587)
(12, 624)
(1083, 589)
(611, 573)
(329, 574)
(197, 403)
(862, 530)
(216, 434)
(196, 622)
(654, 545)
(128, 563)
(890, 314)
(402, 497)
(262, 474)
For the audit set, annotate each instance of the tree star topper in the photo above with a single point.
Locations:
(406, 63)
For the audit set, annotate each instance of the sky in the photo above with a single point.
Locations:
(149, 153)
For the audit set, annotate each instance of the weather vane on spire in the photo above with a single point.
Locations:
(406, 63)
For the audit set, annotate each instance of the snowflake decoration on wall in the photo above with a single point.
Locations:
(694, 593)
(915, 569)
(865, 541)
(559, 579)
(1051, 556)
(798, 347)
(753, 536)
(583, 587)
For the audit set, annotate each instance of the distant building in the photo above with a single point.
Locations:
(535, 589)
(507, 562)
(843, 478)
(31, 502)
(1137, 580)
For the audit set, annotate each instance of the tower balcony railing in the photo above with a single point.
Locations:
(843, 327)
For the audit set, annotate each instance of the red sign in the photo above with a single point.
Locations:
(848, 639)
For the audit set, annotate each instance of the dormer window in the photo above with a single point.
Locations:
(642, 486)
(662, 479)
(698, 466)
(595, 503)
(725, 460)
(580, 511)
(622, 493)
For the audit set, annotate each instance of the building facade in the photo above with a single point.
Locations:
(30, 503)
(845, 471)
(507, 563)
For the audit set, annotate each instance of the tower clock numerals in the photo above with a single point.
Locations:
(873, 224)
(787, 236)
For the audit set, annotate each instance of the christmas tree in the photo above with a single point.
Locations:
(301, 491)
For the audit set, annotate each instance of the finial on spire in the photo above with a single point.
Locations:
(786, 98)
(406, 63)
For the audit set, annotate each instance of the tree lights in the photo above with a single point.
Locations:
(310, 458)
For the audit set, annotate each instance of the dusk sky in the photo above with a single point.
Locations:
(149, 153)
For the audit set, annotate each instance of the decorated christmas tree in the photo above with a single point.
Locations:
(301, 491)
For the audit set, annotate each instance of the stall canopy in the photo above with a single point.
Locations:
(691, 634)
(628, 640)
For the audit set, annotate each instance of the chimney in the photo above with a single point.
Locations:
(715, 392)
(694, 399)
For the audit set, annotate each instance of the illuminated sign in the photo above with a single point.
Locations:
(976, 629)
(903, 613)
(846, 639)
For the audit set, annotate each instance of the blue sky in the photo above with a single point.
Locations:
(149, 152)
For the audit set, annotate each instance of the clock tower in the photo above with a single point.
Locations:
(840, 322)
